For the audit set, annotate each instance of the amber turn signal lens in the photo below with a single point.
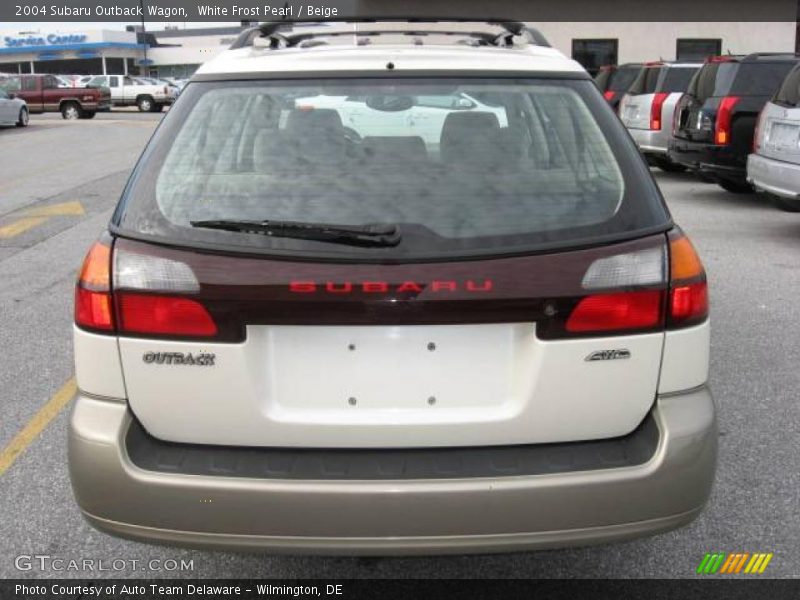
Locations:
(96, 270)
(684, 261)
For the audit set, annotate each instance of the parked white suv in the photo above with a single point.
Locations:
(129, 91)
(649, 104)
(298, 334)
(774, 165)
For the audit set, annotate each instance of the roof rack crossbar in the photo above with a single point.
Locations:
(280, 33)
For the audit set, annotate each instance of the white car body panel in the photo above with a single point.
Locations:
(686, 358)
(492, 384)
(375, 58)
(98, 368)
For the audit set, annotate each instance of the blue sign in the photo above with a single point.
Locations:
(51, 39)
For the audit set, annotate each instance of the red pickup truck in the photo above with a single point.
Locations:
(42, 94)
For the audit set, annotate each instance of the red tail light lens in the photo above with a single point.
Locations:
(608, 95)
(93, 305)
(655, 110)
(688, 296)
(616, 312)
(722, 129)
(163, 315)
(689, 302)
(93, 309)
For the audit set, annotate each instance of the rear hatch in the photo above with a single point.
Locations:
(491, 273)
(778, 131)
(722, 103)
(651, 99)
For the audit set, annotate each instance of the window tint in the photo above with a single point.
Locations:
(534, 164)
(789, 92)
(713, 79)
(623, 78)
(676, 79)
(760, 78)
(646, 81)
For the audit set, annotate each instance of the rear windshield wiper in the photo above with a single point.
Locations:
(376, 235)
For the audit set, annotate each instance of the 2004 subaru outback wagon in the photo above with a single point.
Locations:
(315, 326)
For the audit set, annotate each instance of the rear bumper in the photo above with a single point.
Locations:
(774, 176)
(395, 516)
(651, 142)
(715, 162)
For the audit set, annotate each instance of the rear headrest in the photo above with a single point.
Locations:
(400, 149)
(468, 136)
(313, 121)
(315, 136)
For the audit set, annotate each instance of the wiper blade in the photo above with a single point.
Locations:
(373, 235)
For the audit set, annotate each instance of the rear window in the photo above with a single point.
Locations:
(622, 78)
(646, 81)
(676, 79)
(760, 79)
(739, 79)
(789, 92)
(461, 167)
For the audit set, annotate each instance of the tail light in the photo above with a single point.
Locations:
(757, 132)
(94, 308)
(655, 110)
(722, 129)
(125, 293)
(618, 308)
(608, 95)
(622, 311)
(688, 289)
(642, 291)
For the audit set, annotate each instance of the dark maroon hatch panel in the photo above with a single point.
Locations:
(242, 290)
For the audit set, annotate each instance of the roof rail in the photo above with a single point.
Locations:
(756, 55)
(291, 33)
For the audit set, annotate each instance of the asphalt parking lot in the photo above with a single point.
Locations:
(58, 184)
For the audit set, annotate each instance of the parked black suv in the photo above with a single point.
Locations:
(614, 81)
(715, 120)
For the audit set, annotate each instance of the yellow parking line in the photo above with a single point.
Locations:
(37, 424)
(20, 226)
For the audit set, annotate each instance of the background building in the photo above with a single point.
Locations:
(178, 52)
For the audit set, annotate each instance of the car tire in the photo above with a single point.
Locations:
(70, 111)
(157, 108)
(145, 104)
(735, 187)
(787, 204)
(668, 166)
(23, 119)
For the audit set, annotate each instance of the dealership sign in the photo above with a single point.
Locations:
(51, 39)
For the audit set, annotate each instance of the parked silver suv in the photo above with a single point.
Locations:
(648, 106)
(774, 165)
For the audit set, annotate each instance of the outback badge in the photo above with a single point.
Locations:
(179, 358)
(609, 355)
